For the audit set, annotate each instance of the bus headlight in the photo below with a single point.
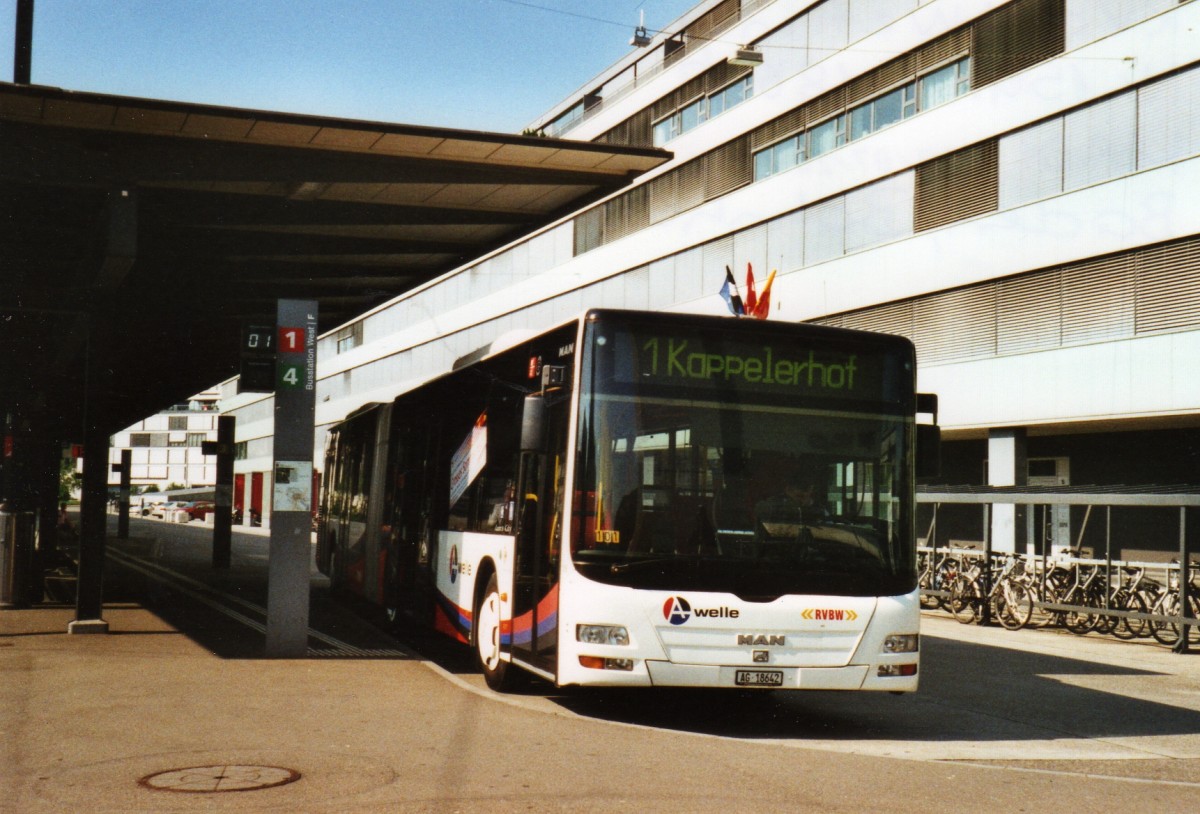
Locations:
(602, 634)
(901, 643)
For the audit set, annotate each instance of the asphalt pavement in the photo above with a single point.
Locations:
(176, 709)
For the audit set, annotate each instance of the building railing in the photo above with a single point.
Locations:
(640, 77)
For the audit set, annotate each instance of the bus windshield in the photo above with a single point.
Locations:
(757, 460)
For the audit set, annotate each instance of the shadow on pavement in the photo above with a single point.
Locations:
(969, 692)
(224, 611)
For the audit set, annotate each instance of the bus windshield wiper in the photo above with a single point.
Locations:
(620, 568)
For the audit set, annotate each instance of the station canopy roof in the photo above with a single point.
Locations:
(168, 224)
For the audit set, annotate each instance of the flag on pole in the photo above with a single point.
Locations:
(763, 306)
(729, 293)
(751, 297)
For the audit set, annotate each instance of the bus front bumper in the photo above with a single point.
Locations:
(851, 677)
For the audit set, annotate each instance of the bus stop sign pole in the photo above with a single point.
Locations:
(292, 499)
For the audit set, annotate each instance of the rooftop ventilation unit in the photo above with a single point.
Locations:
(747, 57)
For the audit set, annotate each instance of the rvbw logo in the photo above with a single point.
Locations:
(678, 610)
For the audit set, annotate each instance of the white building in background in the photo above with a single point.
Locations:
(254, 452)
(166, 447)
(1010, 183)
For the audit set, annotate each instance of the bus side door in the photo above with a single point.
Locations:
(539, 545)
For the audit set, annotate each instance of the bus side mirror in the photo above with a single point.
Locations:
(929, 451)
(533, 424)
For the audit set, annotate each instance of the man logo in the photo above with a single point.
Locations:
(453, 563)
(677, 610)
(760, 640)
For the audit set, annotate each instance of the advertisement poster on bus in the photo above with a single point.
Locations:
(469, 459)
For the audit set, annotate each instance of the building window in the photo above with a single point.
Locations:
(700, 110)
(693, 115)
(666, 130)
(350, 337)
(177, 422)
(239, 451)
(781, 156)
(883, 111)
(922, 93)
(945, 84)
(195, 439)
(827, 136)
(731, 96)
(139, 439)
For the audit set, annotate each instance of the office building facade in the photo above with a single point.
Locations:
(166, 449)
(1009, 183)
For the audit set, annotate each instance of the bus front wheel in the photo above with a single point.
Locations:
(499, 674)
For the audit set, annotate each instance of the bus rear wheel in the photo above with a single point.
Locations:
(499, 674)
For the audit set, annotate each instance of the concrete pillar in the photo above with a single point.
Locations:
(1007, 466)
(93, 519)
(223, 516)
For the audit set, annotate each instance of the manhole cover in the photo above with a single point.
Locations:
(219, 778)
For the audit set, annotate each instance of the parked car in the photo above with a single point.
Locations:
(163, 510)
(199, 509)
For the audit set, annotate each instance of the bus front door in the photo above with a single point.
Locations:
(539, 535)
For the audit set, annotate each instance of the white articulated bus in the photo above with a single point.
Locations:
(647, 499)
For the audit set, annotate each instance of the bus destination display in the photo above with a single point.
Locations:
(724, 361)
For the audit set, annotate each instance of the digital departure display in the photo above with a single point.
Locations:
(258, 338)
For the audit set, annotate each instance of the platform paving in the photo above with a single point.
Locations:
(176, 709)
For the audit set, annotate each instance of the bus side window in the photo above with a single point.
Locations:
(527, 530)
(554, 531)
(499, 505)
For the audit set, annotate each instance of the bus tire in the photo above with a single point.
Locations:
(499, 674)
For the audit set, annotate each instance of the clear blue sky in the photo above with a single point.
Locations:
(474, 64)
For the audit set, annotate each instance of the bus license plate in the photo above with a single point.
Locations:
(758, 678)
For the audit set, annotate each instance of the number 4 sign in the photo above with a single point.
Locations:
(290, 375)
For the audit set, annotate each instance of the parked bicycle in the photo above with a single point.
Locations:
(1007, 598)
(1078, 595)
(936, 577)
(1169, 605)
